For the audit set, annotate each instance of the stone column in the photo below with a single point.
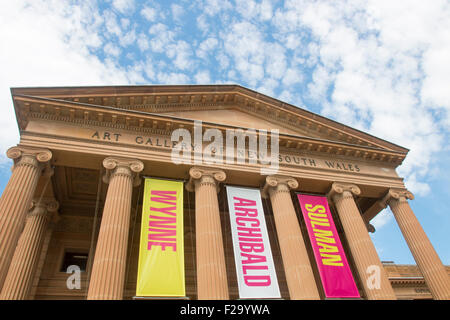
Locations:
(108, 270)
(363, 251)
(211, 269)
(16, 198)
(297, 267)
(55, 218)
(421, 248)
(21, 272)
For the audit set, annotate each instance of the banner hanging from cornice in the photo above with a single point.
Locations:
(161, 252)
(334, 270)
(252, 253)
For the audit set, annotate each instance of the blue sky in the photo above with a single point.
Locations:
(380, 66)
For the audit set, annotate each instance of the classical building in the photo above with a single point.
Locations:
(75, 193)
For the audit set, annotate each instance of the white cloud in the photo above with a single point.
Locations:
(180, 53)
(275, 61)
(162, 37)
(290, 41)
(202, 23)
(112, 50)
(435, 90)
(292, 97)
(244, 44)
(268, 87)
(266, 10)
(286, 96)
(149, 68)
(417, 187)
(223, 60)
(250, 9)
(213, 7)
(203, 77)
(128, 38)
(321, 80)
(135, 73)
(173, 78)
(177, 12)
(143, 42)
(382, 219)
(112, 25)
(292, 76)
(125, 23)
(206, 47)
(149, 13)
(123, 5)
(247, 8)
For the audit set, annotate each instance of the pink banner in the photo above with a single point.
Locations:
(335, 273)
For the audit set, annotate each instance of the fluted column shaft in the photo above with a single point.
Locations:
(362, 249)
(297, 267)
(16, 199)
(108, 270)
(211, 269)
(21, 272)
(420, 246)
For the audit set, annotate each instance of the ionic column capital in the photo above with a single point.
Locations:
(29, 156)
(203, 176)
(345, 190)
(278, 183)
(401, 195)
(123, 166)
(43, 207)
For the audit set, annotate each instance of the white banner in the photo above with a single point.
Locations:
(254, 263)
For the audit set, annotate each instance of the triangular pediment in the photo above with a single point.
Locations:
(168, 107)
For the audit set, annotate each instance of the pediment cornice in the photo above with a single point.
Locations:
(144, 111)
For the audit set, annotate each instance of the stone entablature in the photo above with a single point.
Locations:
(129, 111)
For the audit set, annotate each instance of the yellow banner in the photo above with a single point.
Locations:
(161, 252)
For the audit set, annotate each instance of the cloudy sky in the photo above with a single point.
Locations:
(380, 66)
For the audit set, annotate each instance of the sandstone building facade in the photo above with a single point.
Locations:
(75, 193)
